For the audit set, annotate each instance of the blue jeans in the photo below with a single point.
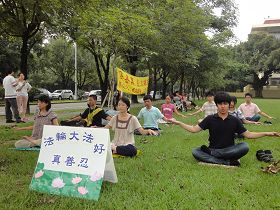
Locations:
(222, 156)
(255, 118)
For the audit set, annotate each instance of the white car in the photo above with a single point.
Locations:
(97, 93)
(157, 96)
(43, 91)
(62, 94)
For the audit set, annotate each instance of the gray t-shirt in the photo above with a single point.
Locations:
(124, 130)
(40, 121)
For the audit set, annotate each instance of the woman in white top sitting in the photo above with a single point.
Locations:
(124, 125)
(22, 89)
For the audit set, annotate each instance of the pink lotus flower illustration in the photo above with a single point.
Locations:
(82, 190)
(76, 180)
(58, 183)
(96, 176)
(39, 174)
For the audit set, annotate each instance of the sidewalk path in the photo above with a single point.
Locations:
(65, 106)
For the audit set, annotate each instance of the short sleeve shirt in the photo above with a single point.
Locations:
(249, 110)
(209, 108)
(221, 132)
(151, 116)
(167, 110)
(40, 121)
(124, 130)
(97, 119)
(237, 113)
(8, 84)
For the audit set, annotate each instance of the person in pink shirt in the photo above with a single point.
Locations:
(168, 108)
(251, 111)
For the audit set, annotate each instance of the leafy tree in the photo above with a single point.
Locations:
(260, 56)
(25, 20)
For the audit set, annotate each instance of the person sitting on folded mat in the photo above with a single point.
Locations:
(150, 114)
(222, 150)
(44, 116)
(91, 117)
(124, 125)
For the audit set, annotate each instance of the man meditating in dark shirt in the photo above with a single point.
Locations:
(222, 128)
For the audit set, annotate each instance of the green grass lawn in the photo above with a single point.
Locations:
(165, 176)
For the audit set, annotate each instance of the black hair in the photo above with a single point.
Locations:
(9, 71)
(93, 96)
(233, 99)
(221, 97)
(147, 97)
(209, 93)
(45, 99)
(125, 100)
(248, 94)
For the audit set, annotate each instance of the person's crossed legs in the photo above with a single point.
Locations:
(224, 156)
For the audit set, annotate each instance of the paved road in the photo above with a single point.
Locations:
(55, 107)
(65, 106)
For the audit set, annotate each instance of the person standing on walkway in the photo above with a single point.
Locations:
(22, 89)
(9, 84)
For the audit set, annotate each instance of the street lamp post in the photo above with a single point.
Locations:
(76, 88)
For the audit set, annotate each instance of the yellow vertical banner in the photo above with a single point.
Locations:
(130, 84)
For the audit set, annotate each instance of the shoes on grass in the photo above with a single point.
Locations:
(264, 155)
(267, 122)
(10, 121)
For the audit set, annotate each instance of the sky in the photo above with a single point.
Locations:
(254, 12)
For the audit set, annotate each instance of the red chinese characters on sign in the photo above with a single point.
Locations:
(130, 84)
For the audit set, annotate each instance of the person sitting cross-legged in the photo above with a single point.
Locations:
(124, 125)
(91, 117)
(237, 113)
(222, 127)
(168, 108)
(251, 110)
(209, 107)
(150, 114)
(45, 116)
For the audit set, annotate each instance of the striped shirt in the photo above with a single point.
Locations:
(209, 108)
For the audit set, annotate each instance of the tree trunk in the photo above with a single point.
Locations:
(181, 82)
(24, 55)
(164, 83)
(258, 86)
(133, 70)
(154, 83)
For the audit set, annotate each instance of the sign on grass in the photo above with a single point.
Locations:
(73, 161)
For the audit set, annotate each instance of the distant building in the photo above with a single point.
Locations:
(272, 27)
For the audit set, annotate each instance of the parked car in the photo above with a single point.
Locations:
(85, 95)
(42, 91)
(97, 93)
(62, 94)
(158, 94)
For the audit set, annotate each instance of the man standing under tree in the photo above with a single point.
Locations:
(9, 84)
(222, 150)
